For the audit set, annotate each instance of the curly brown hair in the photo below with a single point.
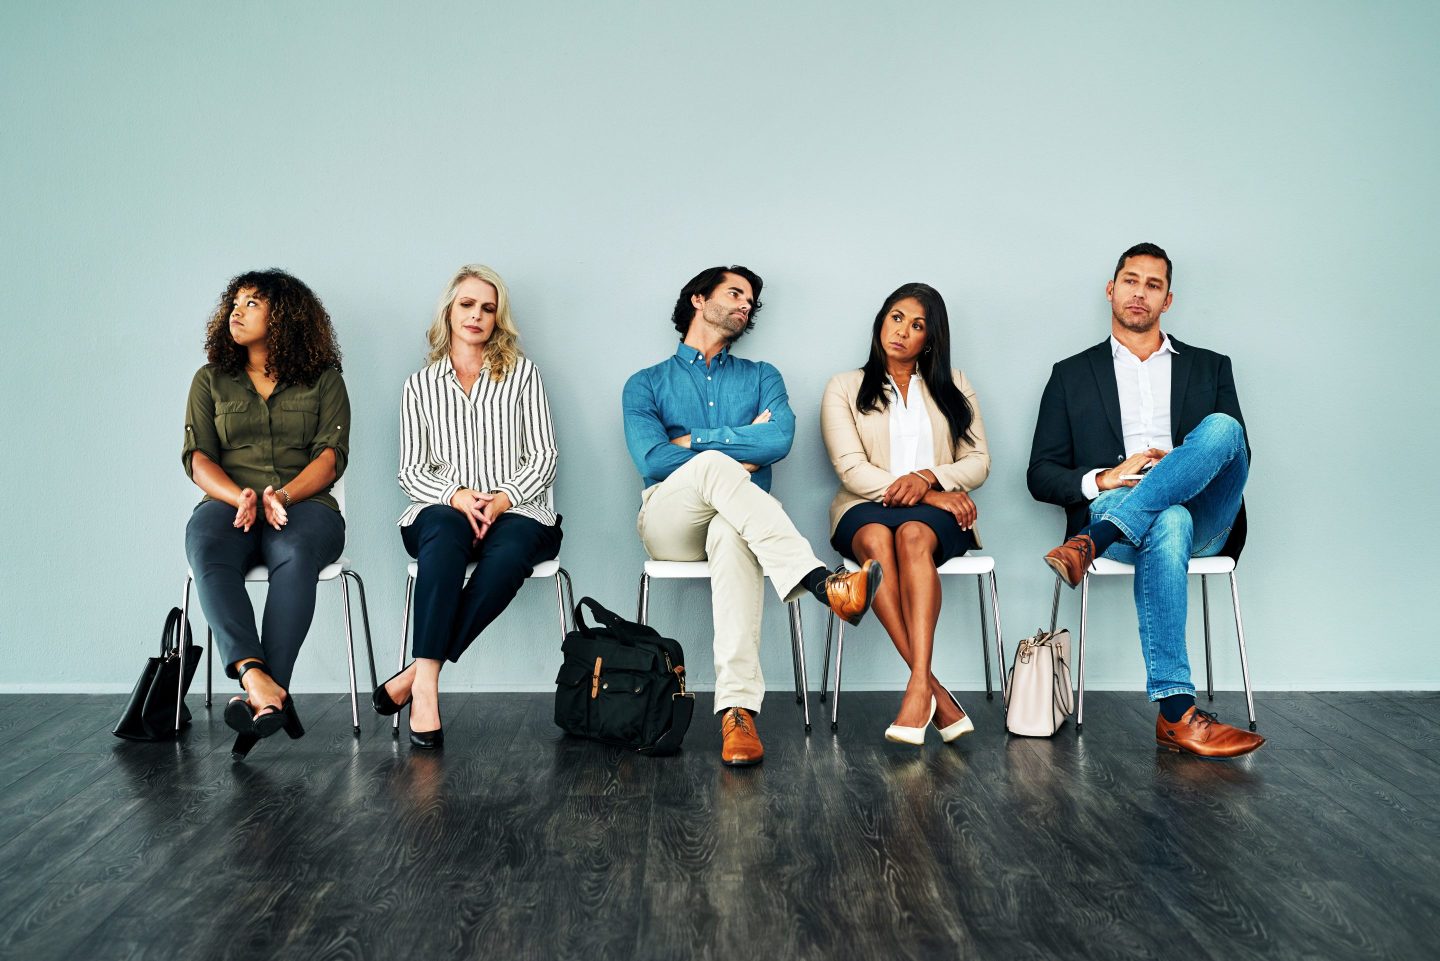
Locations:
(300, 339)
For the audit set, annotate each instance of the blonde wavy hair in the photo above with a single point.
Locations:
(503, 347)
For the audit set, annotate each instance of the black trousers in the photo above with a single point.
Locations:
(450, 614)
(220, 554)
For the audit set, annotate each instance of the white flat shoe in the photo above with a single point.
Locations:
(959, 728)
(911, 735)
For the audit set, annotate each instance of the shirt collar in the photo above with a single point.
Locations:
(1121, 352)
(445, 368)
(689, 355)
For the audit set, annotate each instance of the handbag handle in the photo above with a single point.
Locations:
(602, 615)
(170, 634)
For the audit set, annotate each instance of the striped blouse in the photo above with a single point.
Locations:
(498, 437)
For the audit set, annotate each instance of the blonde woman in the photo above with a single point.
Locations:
(477, 460)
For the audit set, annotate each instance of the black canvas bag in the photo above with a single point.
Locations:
(149, 715)
(622, 683)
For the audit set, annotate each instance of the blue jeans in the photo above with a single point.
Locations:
(1182, 509)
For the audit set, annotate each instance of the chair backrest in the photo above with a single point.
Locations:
(338, 492)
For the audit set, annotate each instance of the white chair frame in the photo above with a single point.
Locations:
(564, 597)
(979, 566)
(700, 570)
(1201, 567)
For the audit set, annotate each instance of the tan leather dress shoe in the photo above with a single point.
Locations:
(1071, 559)
(850, 594)
(1202, 733)
(741, 745)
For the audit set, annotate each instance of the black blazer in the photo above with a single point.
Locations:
(1078, 428)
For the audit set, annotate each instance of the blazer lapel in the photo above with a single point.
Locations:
(1180, 364)
(1103, 366)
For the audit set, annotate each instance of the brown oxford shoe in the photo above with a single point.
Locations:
(1071, 559)
(1199, 732)
(741, 745)
(850, 594)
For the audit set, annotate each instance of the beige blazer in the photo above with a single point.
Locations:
(859, 445)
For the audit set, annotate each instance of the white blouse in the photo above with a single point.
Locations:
(911, 438)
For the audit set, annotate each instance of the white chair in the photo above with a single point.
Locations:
(564, 596)
(700, 570)
(339, 571)
(1201, 567)
(978, 566)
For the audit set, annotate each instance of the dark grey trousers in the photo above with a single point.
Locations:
(220, 554)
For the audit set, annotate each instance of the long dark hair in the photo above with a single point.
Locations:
(300, 342)
(934, 363)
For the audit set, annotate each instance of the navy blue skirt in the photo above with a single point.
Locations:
(952, 540)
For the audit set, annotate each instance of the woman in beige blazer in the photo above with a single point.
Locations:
(905, 437)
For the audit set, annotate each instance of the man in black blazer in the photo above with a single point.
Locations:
(1143, 405)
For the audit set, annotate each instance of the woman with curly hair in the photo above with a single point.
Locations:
(477, 460)
(267, 433)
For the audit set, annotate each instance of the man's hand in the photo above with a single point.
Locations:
(245, 510)
(752, 468)
(905, 491)
(958, 503)
(763, 417)
(682, 441)
(275, 514)
(1111, 479)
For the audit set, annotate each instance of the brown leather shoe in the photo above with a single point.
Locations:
(741, 746)
(1199, 732)
(850, 594)
(1071, 559)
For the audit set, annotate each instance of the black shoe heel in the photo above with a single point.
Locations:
(273, 720)
(293, 727)
(238, 717)
(242, 746)
(381, 700)
(428, 740)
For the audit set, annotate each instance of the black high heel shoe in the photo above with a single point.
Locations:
(243, 721)
(381, 700)
(241, 747)
(428, 740)
(291, 724)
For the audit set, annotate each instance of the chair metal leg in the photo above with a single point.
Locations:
(365, 626)
(180, 682)
(839, 659)
(560, 603)
(1084, 612)
(794, 658)
(569, 600)
(825, 666)
(984, 638)
(1244, 661)
(797, 650)
(209, 669)
(350, 653)
(1205, 607)
(999, 635)
(1055, 606)
(404, 638)
(643, 614)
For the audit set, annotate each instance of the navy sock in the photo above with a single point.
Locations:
(1103, 533)
(814, 582)
(1173, 708)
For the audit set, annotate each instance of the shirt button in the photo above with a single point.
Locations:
(712, 403)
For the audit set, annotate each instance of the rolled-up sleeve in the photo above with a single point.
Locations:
(200, 433)
(333, 431)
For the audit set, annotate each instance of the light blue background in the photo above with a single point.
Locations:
(598, 155)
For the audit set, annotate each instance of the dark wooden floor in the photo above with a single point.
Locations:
(520, 843)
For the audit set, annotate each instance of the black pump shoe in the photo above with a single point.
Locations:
(428, 740)
(381, 700)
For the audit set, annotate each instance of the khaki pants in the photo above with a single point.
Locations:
(710, 510)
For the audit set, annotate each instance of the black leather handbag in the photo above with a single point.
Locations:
(622, 683)
(150, 713)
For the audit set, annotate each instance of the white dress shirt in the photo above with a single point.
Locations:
(1144, 389)
(912, 441)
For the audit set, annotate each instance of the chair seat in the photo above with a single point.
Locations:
(972, 564)
(543, 569)
(260, 574)
(674, 569)
(1104, 566)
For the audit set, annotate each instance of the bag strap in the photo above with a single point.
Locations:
(682, 709)
(170, 634)
(602, 615)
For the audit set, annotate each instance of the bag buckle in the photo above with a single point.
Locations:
(595, 679)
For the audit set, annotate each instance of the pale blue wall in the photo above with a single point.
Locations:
(599, 154)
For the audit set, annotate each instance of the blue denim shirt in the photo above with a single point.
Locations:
(714, 405)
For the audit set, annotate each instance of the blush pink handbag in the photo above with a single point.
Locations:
(1040, 695)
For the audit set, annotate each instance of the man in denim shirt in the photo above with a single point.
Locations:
(703, 428)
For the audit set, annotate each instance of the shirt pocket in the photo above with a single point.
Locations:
(235, 423)
(299, 420)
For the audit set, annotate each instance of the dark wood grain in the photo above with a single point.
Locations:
(518, 841)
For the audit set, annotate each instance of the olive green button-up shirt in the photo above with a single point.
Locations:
(262, 443)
